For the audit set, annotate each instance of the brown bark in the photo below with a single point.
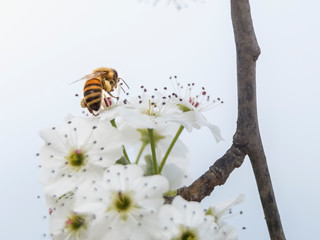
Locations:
(247, 140)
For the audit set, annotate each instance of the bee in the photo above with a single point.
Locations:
(100, 79)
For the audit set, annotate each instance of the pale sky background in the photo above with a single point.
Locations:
(45, 45)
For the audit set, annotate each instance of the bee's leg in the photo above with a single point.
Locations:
(84, 105)
(113, 96)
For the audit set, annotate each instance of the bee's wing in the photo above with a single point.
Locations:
(88, 76)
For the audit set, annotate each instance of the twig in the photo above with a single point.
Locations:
(217, 174)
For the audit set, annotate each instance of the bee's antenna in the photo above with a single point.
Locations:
(124, 82)
(122, 88)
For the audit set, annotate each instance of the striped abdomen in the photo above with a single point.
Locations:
(92, 92)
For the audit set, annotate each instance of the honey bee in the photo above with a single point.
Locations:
(100, 79)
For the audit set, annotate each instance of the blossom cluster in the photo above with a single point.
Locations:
(105, 177)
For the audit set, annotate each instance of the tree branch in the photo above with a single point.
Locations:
(247, 140)
(217, 174)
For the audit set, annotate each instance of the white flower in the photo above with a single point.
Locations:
(66, 223)
(76, 151)
(126, 203)
(185, 220)
(148, 111)
(221, 209)
(191, 107)
(225, 231)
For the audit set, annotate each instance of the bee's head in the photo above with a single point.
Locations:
(115, 75)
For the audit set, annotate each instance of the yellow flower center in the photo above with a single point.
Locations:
(77, 158)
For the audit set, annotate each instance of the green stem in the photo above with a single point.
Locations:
(125, 154)
(153, 151)
(140, 152)
(170, 148)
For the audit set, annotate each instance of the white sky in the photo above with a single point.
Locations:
(45, 45)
